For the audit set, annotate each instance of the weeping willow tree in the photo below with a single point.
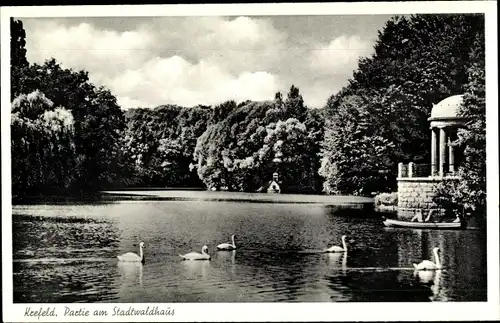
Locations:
(42, 145)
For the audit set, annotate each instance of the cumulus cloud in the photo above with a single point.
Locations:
(184, 61)
(195, 60)
(101, 52)
(340, 55)
(174, 80)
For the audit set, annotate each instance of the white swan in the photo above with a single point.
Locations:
(227, 246)
(197, 256)
(425, 276)
(133, 257)
(337, 248)
(429, 265)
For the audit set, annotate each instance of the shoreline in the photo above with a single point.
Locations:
(179, 195)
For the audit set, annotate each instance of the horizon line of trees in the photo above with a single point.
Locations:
(70, 136)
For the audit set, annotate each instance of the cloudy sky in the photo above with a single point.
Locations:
(148, 61)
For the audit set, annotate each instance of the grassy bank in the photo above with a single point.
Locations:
(173, 194)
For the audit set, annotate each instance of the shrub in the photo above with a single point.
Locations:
(387, 199)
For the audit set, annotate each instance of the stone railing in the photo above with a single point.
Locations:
(403, 170)
(414, 170)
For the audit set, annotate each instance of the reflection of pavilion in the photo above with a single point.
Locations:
(416, 245)
(417, 182)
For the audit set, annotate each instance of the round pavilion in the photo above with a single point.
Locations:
(444, 122)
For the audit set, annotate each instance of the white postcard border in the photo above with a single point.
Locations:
(269, 311)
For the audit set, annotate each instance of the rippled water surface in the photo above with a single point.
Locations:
(67, 253)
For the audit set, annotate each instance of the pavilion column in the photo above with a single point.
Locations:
(451, 156)
(434, 152)
(442, 151)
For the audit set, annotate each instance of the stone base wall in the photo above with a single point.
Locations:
(416, 193)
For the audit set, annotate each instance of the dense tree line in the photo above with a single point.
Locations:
(70, 136)
(469, 193)
(160, 143)
(417, 61)
(242, 151)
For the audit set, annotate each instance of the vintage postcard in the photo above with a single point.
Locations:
(250, 162)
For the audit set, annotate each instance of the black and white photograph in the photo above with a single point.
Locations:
(159, 162)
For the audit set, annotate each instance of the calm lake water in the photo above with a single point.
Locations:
(67, 253)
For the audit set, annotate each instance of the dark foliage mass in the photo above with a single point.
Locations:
(242, 151)
(380, 118)
(71, 137)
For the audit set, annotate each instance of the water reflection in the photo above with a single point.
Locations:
(334, 260)
(439, 293)
(433, 280)
(279, 256)
(130, 273)
(228, 258)
(196, 269)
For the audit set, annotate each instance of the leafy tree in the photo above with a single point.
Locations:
(43, 150)
(242, 151)
(417, 61)
(98, 120)
(221, 111)
(354, 160)
(469, 193)
(160, 143)
(286, 148)
(18, 60)
(473, 136)
(294, 104)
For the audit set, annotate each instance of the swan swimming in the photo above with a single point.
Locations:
(429, 265)
(133, 257)
(227, 246)
(337, 248)
(197, 256)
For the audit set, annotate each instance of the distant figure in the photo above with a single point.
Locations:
(418, 216)
(273, 186)
(431, 212)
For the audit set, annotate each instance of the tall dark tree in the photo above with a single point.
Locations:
(18, 60)
(294, 104)
(98, 120)
(469, 193)
(354, 160)
(417, 61)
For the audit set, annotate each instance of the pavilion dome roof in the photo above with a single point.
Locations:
(447, 108)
